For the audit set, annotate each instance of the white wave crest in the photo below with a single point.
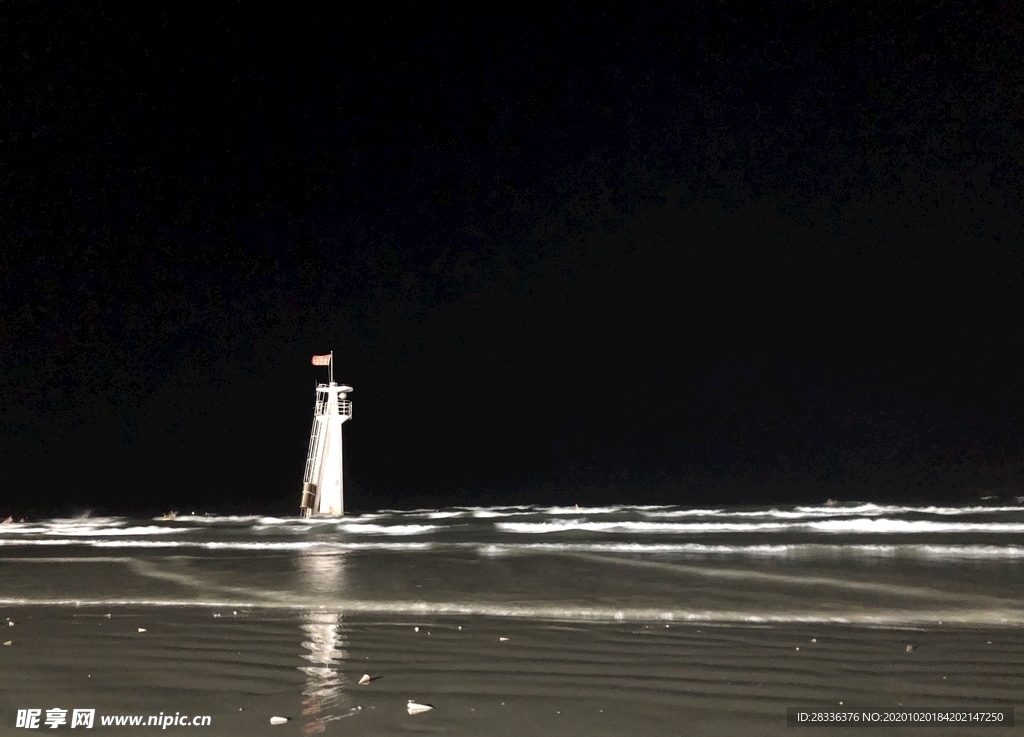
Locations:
(853, 526)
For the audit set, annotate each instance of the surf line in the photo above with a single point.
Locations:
(885, 618)
(257, 597)
(734, 574)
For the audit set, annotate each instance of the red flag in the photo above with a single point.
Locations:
(322, 360)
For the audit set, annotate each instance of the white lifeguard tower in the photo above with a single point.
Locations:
(322, 486)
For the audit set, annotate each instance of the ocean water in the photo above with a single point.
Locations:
(847, 563)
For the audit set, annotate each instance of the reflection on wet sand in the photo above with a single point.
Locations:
(325, 697)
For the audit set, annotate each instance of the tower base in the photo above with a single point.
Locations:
(308, 499)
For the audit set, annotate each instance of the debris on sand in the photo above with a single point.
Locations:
(8, 643)
(365, 679)
(911, 648)
(413, 708)
(502, 639)
(142, 629)
(280, 720)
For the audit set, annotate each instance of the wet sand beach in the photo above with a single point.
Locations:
(547, 678)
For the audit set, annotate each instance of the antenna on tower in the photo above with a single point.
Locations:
(322, 484)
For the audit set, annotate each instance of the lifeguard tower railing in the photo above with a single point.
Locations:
(323, 402)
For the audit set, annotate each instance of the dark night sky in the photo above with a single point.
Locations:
(682, 253)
